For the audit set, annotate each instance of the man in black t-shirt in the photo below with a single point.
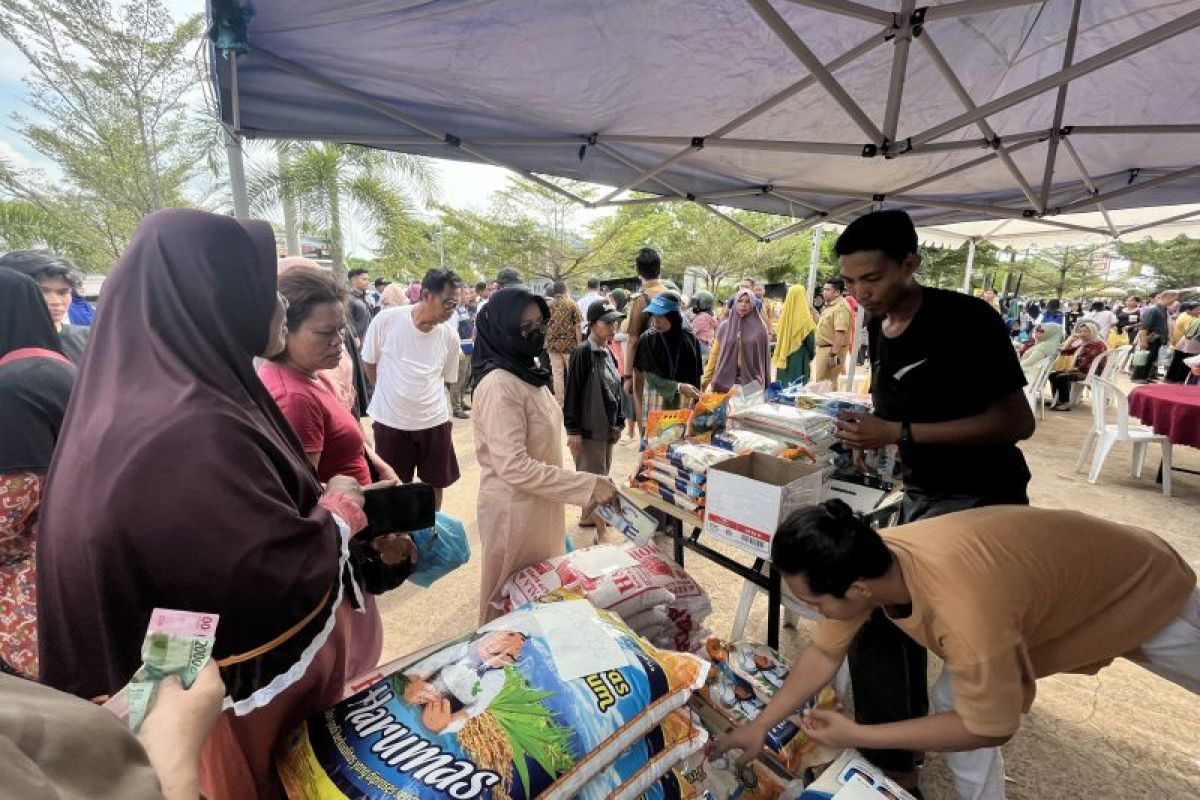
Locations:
(947, 390)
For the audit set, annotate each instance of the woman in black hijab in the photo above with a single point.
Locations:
(668, 354)
(35, 382)
(518, 442)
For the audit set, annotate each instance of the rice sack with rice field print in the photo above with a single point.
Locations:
(556, 699)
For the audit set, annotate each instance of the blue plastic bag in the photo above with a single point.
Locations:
(440, 550)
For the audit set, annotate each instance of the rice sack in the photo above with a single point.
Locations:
(680, 738)
(626, 579)
(744, 678)
(852, 768)
(554, 700)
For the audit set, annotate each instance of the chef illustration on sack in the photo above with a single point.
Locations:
(459, 683)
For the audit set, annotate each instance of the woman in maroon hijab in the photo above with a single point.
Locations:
(185, 488)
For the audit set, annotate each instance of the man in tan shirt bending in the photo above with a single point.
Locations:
(1004, 595)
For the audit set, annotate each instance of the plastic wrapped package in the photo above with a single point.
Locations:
(664, 465)
(708, 415)
(696, 457)
(626, 579)
(786, 420)
(676, 498)
(744, 678)
(851, 768)
(721, 778)
(669, 481)
(663, 428)
(554, 700)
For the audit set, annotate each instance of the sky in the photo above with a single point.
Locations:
(462, 185)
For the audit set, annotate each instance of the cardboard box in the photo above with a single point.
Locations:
(750, 495)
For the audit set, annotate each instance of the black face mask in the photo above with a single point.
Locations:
(532, 343)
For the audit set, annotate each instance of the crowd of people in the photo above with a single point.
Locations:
(200, 444)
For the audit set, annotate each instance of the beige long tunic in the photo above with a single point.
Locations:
(522, 484)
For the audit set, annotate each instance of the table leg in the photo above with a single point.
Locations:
(745, 603)
(774, 596)
(676, 528)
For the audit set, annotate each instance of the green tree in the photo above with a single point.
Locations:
(109, 88)
(1176, 263)
(945, 267)
(1063, 272)
(327, 182)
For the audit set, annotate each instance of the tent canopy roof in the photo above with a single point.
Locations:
(819, 109)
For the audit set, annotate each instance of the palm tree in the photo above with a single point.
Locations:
(325, 181)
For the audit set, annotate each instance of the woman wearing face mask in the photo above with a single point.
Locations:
(523, 486)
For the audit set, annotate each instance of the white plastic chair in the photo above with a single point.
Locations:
(1033, 391)
(1103, 436)
(1112, 360)
(1116, 361)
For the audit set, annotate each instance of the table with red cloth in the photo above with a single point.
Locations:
(1172, 410)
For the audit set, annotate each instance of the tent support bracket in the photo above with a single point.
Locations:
(902, 42)
(1059, 104)
(846, 8)
(966, 8)
(968, 103)
(1102, 59)
(853, 54)
(386, 110)
(800, 50)
(1090, 184)
(1131, 189)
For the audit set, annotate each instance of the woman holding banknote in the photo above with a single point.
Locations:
(187, 489)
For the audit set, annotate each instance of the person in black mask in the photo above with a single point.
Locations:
(523, 487)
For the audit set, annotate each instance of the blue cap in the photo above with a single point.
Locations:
(662, 304)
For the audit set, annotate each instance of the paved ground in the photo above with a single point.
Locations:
(1123, 733)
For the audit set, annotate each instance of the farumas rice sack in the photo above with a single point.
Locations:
(555, 700)
(680, 738)
(744, 678)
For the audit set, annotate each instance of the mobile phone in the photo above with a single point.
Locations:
(398, 509)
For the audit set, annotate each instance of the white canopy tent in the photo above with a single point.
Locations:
(1028, 111)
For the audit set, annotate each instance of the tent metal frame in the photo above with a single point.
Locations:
(899, 28)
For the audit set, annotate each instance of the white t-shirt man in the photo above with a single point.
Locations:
(586, 301)
(412, 369)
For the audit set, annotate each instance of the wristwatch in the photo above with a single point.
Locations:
(905, 434)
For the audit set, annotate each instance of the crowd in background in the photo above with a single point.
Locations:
(217, 404)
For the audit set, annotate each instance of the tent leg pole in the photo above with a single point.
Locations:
(1059, 104)
(970, 266)
(237, 175)
(813, 257)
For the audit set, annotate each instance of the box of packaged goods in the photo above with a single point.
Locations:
(553, 700)
(748, 496)
(744, 677)
(852, 777)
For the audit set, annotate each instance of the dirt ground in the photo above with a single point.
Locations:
(1122, 733)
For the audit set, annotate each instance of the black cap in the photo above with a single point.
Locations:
(381, 282)
(603, 312)
(508, 277)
